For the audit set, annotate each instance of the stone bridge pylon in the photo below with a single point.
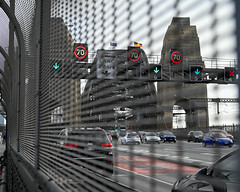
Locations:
(181, 35)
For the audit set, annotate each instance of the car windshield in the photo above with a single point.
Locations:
(151, 134)
(227, 169)
(197, 133)
(168, 133)
(224, 132)
(132, 134)
(220, 131)
(113, 132)
(219, 135)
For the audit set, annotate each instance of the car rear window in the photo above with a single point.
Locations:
(197, 133)
(94, 137)
(132, 134)
(151, 134)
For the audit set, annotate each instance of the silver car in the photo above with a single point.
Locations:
(131, 137)
(150, 137)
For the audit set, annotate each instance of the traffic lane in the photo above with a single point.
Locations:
(153, 173)
(140, 182)
(189, 152)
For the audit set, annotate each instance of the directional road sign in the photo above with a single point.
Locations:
(155, 71)
(196, 73)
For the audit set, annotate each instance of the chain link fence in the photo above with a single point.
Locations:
(63, 120)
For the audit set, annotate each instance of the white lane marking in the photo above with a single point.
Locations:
(171, 184)
(208, 153)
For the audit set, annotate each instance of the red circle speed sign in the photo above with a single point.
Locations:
(134, 55)
(80, 52)
(176, 57)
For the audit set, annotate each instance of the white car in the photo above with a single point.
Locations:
(150, 137)
(131, 137)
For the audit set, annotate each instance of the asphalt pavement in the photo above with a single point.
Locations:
(182, 152)
(156, 167)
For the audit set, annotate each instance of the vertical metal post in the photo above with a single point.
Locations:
(38, 38)
(11, 59)
(237, 13)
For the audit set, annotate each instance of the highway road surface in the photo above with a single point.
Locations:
(156, 167)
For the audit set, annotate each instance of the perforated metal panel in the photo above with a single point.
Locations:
(60, 107)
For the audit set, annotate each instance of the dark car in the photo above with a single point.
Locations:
(167, 136)
(195, 136)
(122, 132)
(114, 134)
(216, 139)
(87, 147)
(222, 176)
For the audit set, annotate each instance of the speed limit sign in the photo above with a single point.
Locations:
(80, 52)
(176, 56)
(134, 55)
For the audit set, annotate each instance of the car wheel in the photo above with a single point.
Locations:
(230, 146)
(174, 141)
(121, 142)
(138, 143)
(195, 140)
(145, 140)
(158, 142)
(188, 140)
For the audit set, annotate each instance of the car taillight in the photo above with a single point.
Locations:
(137, 136)
(106, 144)
(71, 145)
(128, 137)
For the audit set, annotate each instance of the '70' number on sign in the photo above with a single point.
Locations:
(134, 55)
(80, 52)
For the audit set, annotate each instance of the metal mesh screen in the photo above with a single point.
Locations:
(71, 116)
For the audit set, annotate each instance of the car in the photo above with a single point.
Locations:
(122, 133)
(216, 139)
(131, 137)
(114, 134)
(224, 132)
(167, 136)
(150, 137)
(195, 136)
(90, 148)
(221, 176)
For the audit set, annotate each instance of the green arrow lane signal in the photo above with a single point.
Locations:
(56, 66)
(197, 71)
(156, 70)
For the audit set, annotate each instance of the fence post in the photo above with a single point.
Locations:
(38, 40)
